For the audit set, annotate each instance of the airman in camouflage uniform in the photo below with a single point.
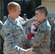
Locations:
(41, 40)
(14, 39)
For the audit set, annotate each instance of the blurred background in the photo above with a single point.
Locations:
(28, 6)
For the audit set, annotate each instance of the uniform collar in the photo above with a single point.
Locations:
(11, 20)
(43, 21)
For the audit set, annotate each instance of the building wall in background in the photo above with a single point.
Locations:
(50, 5)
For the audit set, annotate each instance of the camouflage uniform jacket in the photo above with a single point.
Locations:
(13, 36)
(41, 40)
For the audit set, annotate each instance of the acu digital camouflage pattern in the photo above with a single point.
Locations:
(13, 35)
(27, 26)
(41, 40)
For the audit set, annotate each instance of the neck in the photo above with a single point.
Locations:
(12, 16)
(43, 19)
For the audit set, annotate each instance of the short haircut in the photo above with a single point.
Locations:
(42, 9)
(12, 5)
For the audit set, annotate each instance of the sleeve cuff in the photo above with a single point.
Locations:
(20, 50)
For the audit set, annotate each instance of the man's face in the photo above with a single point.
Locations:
(39, 15)
(16, 12)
